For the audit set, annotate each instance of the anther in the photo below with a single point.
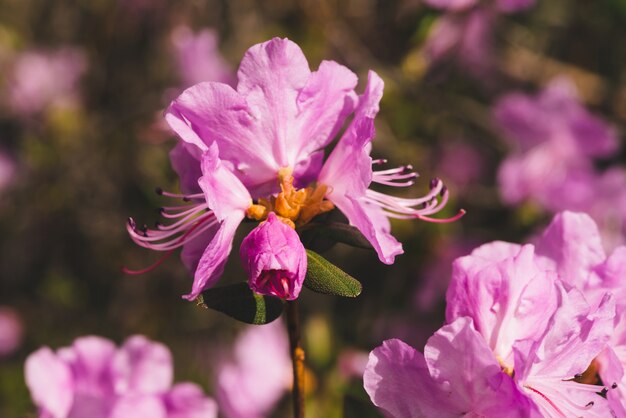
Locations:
(614, 386)
(132, 224)
(443, 191)
(603, 392)
(590, 404)
(434, 182)
(158, 191)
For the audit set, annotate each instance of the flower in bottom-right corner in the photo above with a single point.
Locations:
(531, 331)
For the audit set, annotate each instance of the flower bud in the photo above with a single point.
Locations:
(274, 259)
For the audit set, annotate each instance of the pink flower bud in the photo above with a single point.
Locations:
(274, 259)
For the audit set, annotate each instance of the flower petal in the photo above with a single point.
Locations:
(50, 382)
(214, 112)
(211, 264)
(187, 400)
(271, 75)
(324, 104)
(142, 366)
(573, 242)
(397, 380)
(460, 360)
(509, 299)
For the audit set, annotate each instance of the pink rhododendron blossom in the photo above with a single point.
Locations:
(258, 150)
(39, 79)
(10, 331)
(458, 375)
(198, 58)
(274, 259)
(93, 378)
(550, 318)
(251, 381)
(451, 5)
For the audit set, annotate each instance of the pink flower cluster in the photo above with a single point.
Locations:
(531, 330)
(557, 142)
(257, 152)
(92, 378)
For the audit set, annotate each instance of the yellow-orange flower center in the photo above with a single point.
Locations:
(294, 207)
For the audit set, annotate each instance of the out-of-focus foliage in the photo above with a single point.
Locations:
(77, 166)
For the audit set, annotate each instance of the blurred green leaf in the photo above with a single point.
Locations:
(322, 276)
(242, 304)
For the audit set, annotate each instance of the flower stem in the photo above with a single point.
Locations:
(297, 357)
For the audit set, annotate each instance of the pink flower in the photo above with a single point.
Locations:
(40, 79)
(198, 57)
(259, 150)
(252, 380)
(457, 375)
(93, 378)
(274, 259)
(10, 331)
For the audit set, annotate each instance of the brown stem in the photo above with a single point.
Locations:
(297, 357)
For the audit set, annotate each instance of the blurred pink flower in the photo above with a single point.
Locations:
(92, 378)
(10, 331)
(258, 373)
(198, 57)
(274, 259)
(40, 79)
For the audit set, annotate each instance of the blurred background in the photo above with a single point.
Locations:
(516, 105)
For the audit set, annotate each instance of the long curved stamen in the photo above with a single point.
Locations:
(403, 208)
(190, 221)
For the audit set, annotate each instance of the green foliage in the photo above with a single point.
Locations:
(242, 304)
(324, 277)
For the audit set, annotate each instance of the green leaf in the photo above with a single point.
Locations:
(346, 234)
(239, 302)
(324, 277)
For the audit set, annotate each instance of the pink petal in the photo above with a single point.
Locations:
(451, 5)
(397, 380)
(211, 264)
(460, 360)
(508, 299)
(185, 159)
(572, 241)
(139, 406)
(225, 195)
(187, 400)
(323, 104)
(89, 359)
(214, 112)
(271, 75)
(142, 366)
(50, 382)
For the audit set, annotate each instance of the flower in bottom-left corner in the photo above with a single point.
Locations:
(93, 378)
